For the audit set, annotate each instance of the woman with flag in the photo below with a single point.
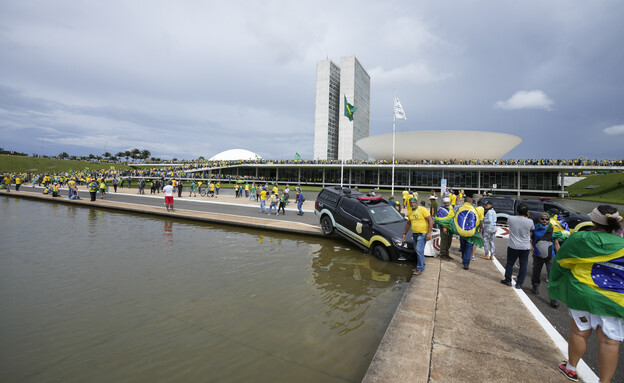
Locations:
(588, 275)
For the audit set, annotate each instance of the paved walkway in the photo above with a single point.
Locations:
(452, 325)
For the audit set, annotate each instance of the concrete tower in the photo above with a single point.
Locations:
(334, 134)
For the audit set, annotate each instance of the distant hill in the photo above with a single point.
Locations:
(601, 187)
(14, 164)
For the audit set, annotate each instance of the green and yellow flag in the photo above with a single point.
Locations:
(463, 223)
(349, 109)
(588, 273)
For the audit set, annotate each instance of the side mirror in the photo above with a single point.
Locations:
(565, 213)
(365, 221)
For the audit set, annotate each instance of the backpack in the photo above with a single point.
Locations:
(302, 198)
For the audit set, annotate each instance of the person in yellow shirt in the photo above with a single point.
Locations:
(263, 195)
(212, 189)
(453, 199)
(18, 182)
(421, 223)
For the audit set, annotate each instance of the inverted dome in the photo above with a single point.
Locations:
(440, 145)
(235, 155)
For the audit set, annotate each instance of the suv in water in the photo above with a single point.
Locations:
(369, 222)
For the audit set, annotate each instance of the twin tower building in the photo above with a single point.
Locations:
(334, 134)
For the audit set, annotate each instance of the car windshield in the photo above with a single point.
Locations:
(384, 214)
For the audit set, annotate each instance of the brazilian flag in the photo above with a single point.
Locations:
(561, 230)
(349, 109)
(464, 223)
(588, 273)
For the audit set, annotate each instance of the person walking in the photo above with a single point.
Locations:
(519, 246)
(168, 190)
(282, 203)
(489, 231)
(180, 187)
(421, 223)
(102, 187)
(115, 184)
(543, 253)
(300, 201)
(587, 275)
(262, 198)
(273, 205)
(193, 189)
(93, 188)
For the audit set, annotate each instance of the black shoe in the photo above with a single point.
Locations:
(466, 267)
(535, 290)
(506, 282)
(554, 304)
(519, 287)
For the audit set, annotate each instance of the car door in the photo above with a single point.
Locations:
(344, 216)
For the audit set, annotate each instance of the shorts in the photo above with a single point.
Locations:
(612, 327)
(168, 200)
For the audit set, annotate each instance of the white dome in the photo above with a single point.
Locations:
(440, 145)
(235, 155)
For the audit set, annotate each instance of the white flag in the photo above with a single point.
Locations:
(399, 113)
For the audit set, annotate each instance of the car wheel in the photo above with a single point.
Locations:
(326, 225)
(381, 253)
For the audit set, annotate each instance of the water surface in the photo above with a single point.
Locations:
(96, 296)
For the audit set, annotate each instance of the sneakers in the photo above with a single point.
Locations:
(466, 267)
(506, 282)
(571, 375)
(554, 304)
(518, 286)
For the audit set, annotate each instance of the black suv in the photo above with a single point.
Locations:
(369, 222)
(506, 206)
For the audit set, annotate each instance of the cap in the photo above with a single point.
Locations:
(413, 199)
(487, 202)
(446, 199)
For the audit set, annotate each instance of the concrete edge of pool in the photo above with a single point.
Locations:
(450, 325)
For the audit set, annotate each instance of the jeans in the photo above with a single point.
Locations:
(489, 233)
(466, 251)
(273, 206)
(262, 206)
(299, 205)
(419, 246)
(523, 258)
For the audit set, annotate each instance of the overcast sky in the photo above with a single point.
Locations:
(193, 78)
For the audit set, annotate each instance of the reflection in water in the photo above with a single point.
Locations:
(349, 282)
(296, 309)
(168, 232)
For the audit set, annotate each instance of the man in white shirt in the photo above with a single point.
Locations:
(168, 189)
(519, 246)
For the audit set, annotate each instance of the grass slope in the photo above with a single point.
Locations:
(22, 164)
(602, 188)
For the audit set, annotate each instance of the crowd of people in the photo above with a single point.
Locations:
(585, 269)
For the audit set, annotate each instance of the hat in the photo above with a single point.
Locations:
(413, 199)
(545, 215)
(433, 197)
(446, 199)
(601, 219)
(487, 202)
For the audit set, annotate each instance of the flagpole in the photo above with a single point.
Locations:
(393, 138)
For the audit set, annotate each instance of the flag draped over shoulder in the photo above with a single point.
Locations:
(399, 113)
(349, 109)
(588, 273)
(463, 223)
(561, 230)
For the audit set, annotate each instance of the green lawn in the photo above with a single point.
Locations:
(601, 187)
(22, 164)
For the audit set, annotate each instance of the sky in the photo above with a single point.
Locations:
(191, 78)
